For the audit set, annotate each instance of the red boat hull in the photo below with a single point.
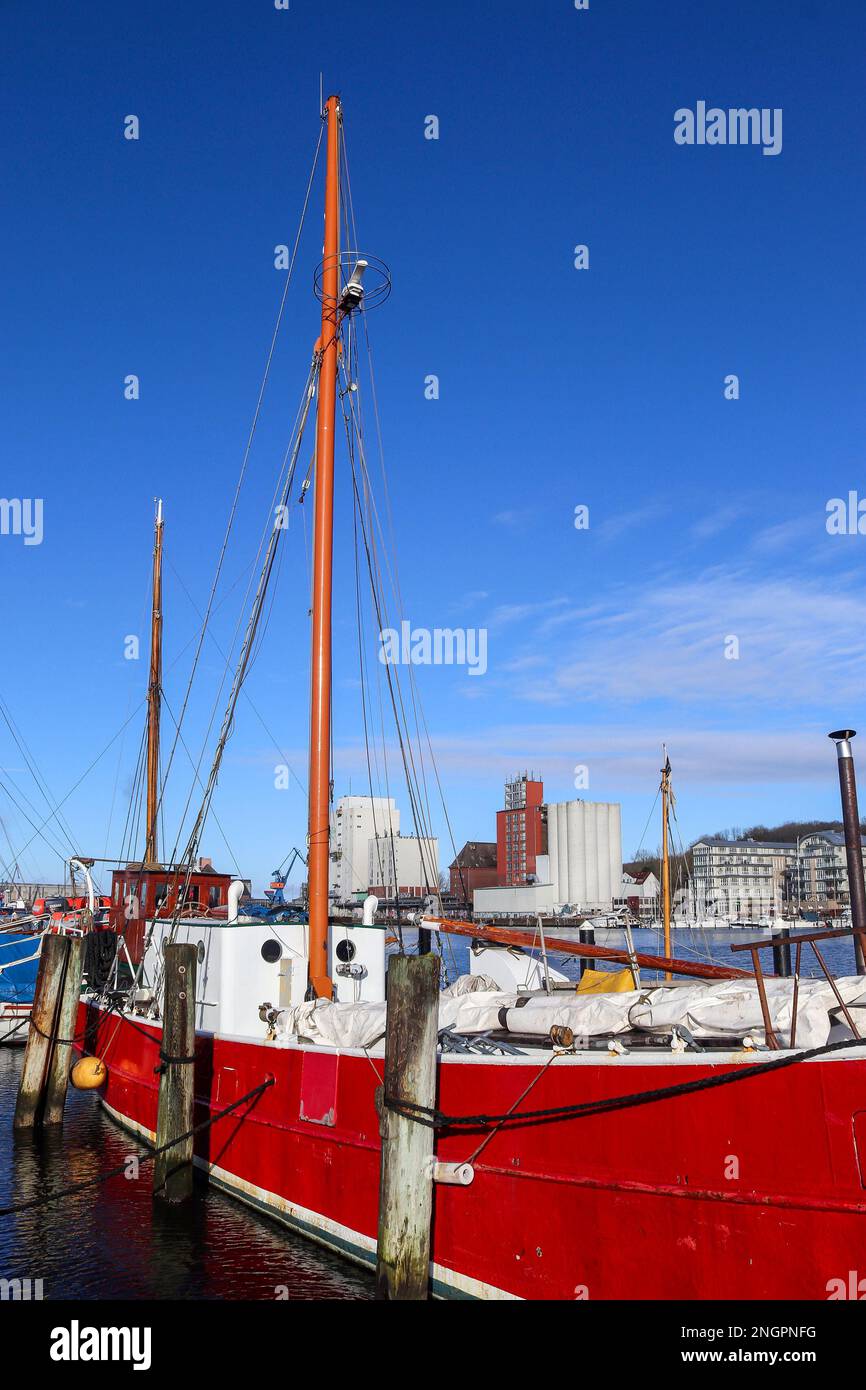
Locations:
(756, 1190)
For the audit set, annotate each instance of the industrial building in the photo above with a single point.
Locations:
(581, 870)
(368, 853)
(584, 840)
(356, 820)
(402, 865)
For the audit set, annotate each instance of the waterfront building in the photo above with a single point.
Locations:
(759, 876)
(369, 854)
(404, 865)
(582, 869)
(819, 872)
(639, 892)
(474, 867)
(356, 820)
(741, 876)
(520, 829)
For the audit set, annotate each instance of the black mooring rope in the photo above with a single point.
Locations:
(142, 1157)
(437, 1119)
(164, 1061)
(78, 1037)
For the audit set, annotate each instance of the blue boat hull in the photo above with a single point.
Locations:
(19, 965)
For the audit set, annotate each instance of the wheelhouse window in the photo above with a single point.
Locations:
(213, 895)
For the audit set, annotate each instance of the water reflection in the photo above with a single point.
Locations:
(114, 1241)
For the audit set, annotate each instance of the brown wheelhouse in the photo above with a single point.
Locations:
(142, 891)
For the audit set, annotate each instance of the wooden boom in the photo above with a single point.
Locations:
(506, 936)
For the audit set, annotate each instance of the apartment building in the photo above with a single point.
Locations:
(741, 875)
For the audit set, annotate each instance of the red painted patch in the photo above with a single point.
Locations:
(319, 1088)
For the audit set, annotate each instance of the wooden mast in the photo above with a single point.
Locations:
(666, 863)
(323, 545)
(154, 696)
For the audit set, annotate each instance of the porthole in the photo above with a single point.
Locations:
(271, 951)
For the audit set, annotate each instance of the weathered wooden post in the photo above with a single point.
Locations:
(30, 1104)
(173, 1173)
(406, 1184)
(62, 1056)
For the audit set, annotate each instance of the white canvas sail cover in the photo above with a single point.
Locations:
(731, 1009)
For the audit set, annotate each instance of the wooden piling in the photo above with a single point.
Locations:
(62, 1055)
(30, 1105)
(173, 1172)
(406, 1182)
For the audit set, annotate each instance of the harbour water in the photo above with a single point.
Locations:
(712, 944)
(112, 1241)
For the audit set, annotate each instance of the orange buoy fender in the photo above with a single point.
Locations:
(88, 1073)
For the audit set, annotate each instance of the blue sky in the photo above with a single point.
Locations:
(558, 387)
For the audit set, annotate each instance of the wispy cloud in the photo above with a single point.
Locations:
(507, 613)
(794, 531)
(719, 520)
(473, 596)
(799, 643)
(628, 757)
(619, 523)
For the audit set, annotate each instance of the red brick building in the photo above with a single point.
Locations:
(474, 867)
(520, 830)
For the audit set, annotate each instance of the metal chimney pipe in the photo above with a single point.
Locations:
(853, 848)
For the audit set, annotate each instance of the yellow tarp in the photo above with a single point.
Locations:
(605, 982)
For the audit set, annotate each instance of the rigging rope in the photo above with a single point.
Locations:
(248, 448)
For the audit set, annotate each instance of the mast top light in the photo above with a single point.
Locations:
(369, 279)
(354, 291)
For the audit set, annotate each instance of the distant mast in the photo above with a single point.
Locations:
(323, 546)
(154, 695)
(666, 863)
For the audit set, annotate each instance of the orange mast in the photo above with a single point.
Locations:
(154, 695)
(323, 546)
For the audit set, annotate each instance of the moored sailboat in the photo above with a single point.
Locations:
(599, 1127)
